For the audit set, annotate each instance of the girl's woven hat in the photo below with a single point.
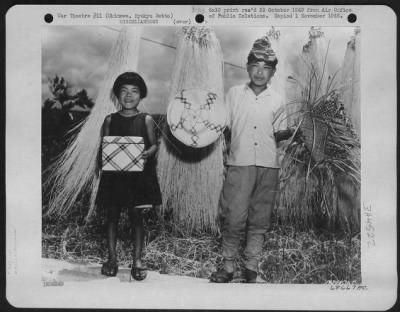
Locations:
(197, 117)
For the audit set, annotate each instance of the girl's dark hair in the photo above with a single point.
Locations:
(130, 78)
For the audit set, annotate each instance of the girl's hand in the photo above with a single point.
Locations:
(145, 154)
(152, 138)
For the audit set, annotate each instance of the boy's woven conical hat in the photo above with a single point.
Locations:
(196, 117)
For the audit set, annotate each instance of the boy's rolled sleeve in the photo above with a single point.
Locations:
(280, 119)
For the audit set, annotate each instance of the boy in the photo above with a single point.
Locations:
(257, 123)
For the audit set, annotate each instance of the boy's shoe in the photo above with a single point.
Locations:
(250, 276)
(139, 274)
(109, 268)
(221, 276)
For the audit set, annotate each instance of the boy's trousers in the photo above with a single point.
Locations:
(246, 204)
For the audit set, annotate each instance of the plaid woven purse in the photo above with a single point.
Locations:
(122, 153)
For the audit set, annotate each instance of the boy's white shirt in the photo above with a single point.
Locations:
(253, 121)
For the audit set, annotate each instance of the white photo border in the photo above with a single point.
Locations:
(23, 175)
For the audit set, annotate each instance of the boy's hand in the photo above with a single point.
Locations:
(283, 135)
(286, 134)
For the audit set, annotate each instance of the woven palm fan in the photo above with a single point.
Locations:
(315, 134)
(196, 117)
(190, 160)
(77, 171)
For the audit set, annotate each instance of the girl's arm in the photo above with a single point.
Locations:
(105, 130)
(152, 138)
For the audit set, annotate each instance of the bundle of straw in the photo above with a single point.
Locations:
(191, 179)
(76, 173)
(322, 175)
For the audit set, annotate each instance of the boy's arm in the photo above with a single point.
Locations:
(151, 133)
(281, 130)
(281, 135)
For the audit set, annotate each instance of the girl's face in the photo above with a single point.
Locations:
(260, 73)
(129, 96)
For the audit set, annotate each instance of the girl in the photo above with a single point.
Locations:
(134, 190)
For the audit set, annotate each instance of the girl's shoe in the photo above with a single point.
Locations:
(221, 276)
(109, 268)
(139, 274)
(250, 276)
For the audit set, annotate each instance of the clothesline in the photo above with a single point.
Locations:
(172, 47)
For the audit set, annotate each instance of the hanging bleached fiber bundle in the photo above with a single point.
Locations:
(351, 81)
(77, 170)
(310, 78)
(199, 62)
(279, 78)
(315, 56)
(191, 179)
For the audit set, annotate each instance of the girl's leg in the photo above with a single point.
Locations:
(138, 271)
(138, 235)
(112, 241)
(112, 226)
(110, 268)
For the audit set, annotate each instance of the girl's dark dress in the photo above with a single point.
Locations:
(129, 189)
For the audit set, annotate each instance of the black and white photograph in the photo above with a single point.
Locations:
(237, 178)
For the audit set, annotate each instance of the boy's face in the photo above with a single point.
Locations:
(260, 73)
(129, 96)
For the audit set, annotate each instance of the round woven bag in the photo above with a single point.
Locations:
(196, 117)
